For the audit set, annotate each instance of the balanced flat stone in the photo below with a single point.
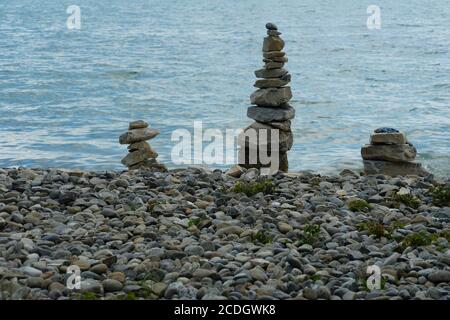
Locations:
(273, 65)
(141, 145)
(273, 33)
(150, 164)
(273, 43)
(285, 138)
(137, 156)
(271, 97)
(274, 73)
(394, 168)
(389, 152)
(138, 124)
(267, 115)
(388, 138)
(282, 125)
(136, 135)
(272, 54)
(270, 83)
(279, 59)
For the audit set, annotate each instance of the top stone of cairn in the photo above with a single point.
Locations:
(387, 136)
(271, 26)
(386, 130)
(138, 124)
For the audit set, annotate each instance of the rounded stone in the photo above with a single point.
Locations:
(35, 282)
(110, 285)
(271, 26)
(271, 97)
(55, 294)
(100, 268)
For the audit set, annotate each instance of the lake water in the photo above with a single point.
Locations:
(66, 95)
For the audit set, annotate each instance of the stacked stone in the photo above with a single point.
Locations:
(390, 153)
(140, 153)
(272, 110)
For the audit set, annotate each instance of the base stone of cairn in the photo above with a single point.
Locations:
(390, 153)
(140, 153)
(272, 111)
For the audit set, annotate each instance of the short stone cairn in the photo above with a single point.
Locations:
(140, 153)
(272, 111)
(390, 153)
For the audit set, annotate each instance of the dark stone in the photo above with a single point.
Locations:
(19, 185)
(67, 197)
(286, 77)
(273, 33)
(271, 26)
(272, 73)
(109, 213)
(394, 168)
(156, 275)
(293, 261)
(385, 130)
(265, 114)
(174, 254)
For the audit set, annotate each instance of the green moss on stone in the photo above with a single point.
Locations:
(441, 196)
(359, 205)
(251, 188)
(407, 200)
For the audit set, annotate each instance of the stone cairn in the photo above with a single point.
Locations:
(140, 153)
(390, 153)
(272, 110)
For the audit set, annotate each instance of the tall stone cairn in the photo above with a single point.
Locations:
(271, 110)
(390, 153)
(140, 153)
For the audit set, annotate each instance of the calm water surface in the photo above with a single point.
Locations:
(66, 96)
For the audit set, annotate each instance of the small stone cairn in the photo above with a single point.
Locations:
(390, 153)
(272, 110)
(140, 153)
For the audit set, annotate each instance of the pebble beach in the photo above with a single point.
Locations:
(195, 233)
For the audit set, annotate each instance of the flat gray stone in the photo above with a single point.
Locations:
(141, 145)
(136, 135)
(439, 276)
(388, 138)
(271, 97)
(266, 115)
(395, 153)
(394, 168)
(273, 33)
(138, 124)
(138, 156)
(283, 59)
(272, 54)
(273, 65)
(274, 73)
(270, 83)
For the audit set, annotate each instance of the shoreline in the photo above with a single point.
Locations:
(192, 233)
